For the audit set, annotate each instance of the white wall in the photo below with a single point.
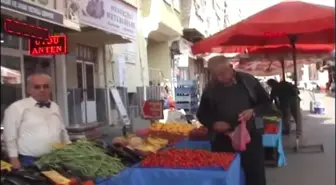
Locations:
(158, 54)
(135, 54)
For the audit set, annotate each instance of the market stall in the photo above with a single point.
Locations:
(187, 163)
(272, 139)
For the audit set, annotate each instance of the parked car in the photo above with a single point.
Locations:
(308, 85)
(302, 85)
(311, 86)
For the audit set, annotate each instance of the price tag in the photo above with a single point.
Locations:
(6, 166)
(56, 177)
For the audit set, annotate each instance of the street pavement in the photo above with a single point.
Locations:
(302, 168)
(310, 168)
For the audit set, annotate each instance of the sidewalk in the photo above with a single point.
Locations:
(310, 169)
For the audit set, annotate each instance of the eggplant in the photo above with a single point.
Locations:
(29, 175)
(13, 180)
(121, 150)
(68, 172)
(132, 153)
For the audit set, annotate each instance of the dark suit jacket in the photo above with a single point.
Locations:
(260, 99)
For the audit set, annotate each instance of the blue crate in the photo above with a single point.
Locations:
(189, 106)
(184, 83)
(186, 90)
(189, 98)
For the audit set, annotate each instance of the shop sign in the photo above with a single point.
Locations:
(112, 16)
(152, 109)
(25, 30)
(33, 10)
(56, 44)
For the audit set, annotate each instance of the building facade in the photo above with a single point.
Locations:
(82, 74)
(200, 19)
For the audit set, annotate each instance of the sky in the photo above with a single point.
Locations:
(250, 7)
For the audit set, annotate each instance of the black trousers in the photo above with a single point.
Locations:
(292, 108)
(252, 159)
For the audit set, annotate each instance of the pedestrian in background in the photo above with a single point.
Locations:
(286, 97)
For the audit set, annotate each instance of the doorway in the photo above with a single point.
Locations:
(85, 81)
(39, 65)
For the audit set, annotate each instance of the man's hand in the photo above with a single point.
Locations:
(246, 115)
(15, 162)
(221, 126)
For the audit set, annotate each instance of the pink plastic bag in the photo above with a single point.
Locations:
(240, 137)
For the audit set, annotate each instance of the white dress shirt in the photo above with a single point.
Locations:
(30, 130)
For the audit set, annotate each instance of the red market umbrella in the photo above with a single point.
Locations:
(286, 23)
(273, 25)
(289, 22)
(266, 67)
(286, 49)
(304, 50)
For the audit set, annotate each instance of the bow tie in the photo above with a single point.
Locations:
(43, 104)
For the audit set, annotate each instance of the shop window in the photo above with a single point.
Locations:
(11, 84)
(80, 78)
(86, 53)
(90, 82)
(132, 99)
(25, 43)
(85, 79)
(9, 41)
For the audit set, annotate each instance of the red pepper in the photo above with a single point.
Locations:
(271, 128)
(187, 158)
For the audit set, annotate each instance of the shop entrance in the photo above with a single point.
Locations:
(85, 78)
(39, 65)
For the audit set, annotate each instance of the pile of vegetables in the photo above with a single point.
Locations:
(188, 158)
(173, 128)
(146, 144)
(172, 138)
(271, 124)
(83, 157)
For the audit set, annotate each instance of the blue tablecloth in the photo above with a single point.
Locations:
(275, 140)
(160, 176)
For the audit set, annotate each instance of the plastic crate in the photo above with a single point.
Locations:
(189, 98)
(188, 106)
(184, 83)
(186, 90)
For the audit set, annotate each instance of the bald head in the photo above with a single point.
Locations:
(219, 60)
(221, 69)
(39, 86)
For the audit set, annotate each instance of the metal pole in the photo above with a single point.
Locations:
(293, 39)
(282, 61)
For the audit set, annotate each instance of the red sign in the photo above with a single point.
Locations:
(275, 34)
(152, 109)
(56, 44)
(25, 30)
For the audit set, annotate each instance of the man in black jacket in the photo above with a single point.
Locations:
(232, 97)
